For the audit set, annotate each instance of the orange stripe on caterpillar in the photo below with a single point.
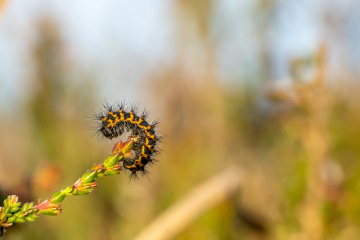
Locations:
(114, 120)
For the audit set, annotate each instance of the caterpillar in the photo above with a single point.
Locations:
(115, 119)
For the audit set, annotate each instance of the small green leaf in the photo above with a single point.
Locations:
(57, 197)
(111, 160)
(69, 189)
(24, 207)
(17, 204)
(89, 176)
(14, 209)
(79, 192)
(12, 219)
(100, 175)
(31, 205)
(46, 212)
(30, 219)
(19, 220)
(3, 217)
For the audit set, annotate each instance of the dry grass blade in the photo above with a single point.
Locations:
(203, 197)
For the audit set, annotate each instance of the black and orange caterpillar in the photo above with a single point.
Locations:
(114, 120)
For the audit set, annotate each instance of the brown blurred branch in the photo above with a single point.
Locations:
(203, 197)
(315, 139)
(2, 7)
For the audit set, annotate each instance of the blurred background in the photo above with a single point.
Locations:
(267, 85)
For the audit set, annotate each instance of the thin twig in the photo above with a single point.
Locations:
(13, 212)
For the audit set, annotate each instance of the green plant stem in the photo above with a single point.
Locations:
(12, 212)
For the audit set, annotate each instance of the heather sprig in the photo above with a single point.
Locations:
(12, 212)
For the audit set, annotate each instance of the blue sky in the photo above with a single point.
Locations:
(118, 39)
(101, 36)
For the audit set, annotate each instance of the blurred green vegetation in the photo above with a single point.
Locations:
(299, 146)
